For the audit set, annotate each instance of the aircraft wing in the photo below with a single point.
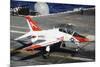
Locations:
(42, 44)
(23, 36)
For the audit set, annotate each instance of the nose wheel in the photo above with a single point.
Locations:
(46, 52)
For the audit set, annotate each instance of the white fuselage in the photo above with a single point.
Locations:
(51, 36)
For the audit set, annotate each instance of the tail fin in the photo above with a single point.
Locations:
(32, 24)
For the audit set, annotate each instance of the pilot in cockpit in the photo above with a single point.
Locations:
(69, 30)
(66, 29)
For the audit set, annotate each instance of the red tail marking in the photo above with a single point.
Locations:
(33, 24)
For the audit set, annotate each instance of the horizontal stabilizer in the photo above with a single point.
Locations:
(24, 36)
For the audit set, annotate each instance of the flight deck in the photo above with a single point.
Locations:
(84, 24)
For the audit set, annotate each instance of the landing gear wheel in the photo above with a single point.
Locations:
(46, 52)
(46, 55)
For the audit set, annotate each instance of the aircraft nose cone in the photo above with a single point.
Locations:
(91, 37)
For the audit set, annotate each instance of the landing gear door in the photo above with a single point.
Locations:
(69, 45)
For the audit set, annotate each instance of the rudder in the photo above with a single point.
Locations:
(32, 24)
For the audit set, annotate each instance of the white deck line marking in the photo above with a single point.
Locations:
(82, 59)
(74, 58)
(13, 31)
(19, 27)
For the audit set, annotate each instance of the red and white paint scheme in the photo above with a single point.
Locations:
(49, 37)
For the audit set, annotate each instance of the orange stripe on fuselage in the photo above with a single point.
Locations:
(32, 47)
(36, 46)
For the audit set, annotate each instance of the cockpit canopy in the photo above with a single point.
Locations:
(66, 28)
(69, 30)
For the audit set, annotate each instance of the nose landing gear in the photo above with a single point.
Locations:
(46, 52)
